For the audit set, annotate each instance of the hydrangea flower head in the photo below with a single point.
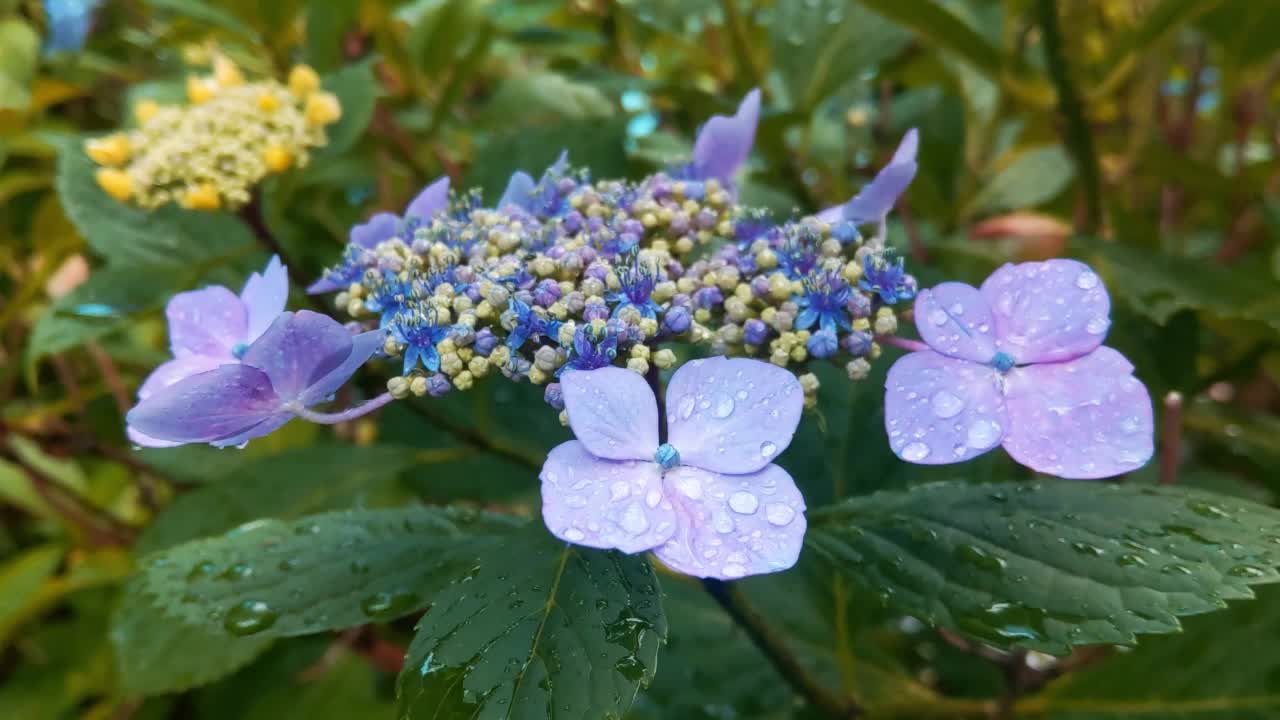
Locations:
(1020, 362)
(212, 327)
(300, 360)
(709, 502)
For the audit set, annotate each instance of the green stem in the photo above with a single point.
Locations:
(1077, 135)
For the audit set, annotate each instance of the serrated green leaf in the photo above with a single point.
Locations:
(357, 91)
(1159, 285)
(1032, 177)
(185, 241)
(269, 578)
(819, 46)
(284, 486)
(543, 629)
(1197, 674)
(1050, 565)
(157, 654)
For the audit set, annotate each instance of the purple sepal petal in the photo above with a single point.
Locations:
(941, 410)
(612, 412)
(432, 199)
(264, 297)
(1048, 311)
(954, 319)
(325, 285)
(262, 429)
(209, 321)
(724, 143)
(731, 415)
(172, 371)
(731, 526)
(1082, 419)
(604, 503)
(519, 191)
(207, 407)
(382, 226)
(363, 347)
(877, 197)
(298, 350)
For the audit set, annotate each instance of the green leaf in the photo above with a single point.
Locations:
(1198, 673)
(543, 629)
(275, 579)
(1032, 177)
(819, 46)
(327, 21)
(284, 486)
(204, 13)
(357, 90)
(17, 63)
(941, 29)
(1159, 285)
(156, 654)
(21, 578)
(184, 241)
(590, 143)
(546, 97)
(1051, 565)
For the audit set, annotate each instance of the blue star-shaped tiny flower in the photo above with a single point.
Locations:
(419, 332)
(530, 324)
(886, 278)
(591, 349)
(636, 283)
(824, 302)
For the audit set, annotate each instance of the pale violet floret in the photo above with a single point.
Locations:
(708, 500)
(1019, 362)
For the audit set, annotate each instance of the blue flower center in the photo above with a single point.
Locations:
(239, 349)
(667, 456)
(1002, 361)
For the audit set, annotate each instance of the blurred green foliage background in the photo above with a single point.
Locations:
(1142, 136)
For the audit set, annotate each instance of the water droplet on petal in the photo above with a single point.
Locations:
(938, 317)
(768, 449)
(779, 514)
(686, 406)
(1097, 326)
(983, 434)
(724, 406)
(946, 405)
(619, 490)
(1087, 280)
(633, 519)
(733, 570)
(653, 498)
(573, 534)
(915, 452)
(743, 503)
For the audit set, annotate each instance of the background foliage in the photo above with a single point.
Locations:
(1142, 136)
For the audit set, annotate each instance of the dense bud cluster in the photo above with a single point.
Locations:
(570, 273)
(209, 154)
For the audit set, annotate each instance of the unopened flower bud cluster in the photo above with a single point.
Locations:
(210, 153)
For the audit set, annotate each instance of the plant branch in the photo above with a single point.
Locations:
(1078, 138)
(347, 415)
(769, 642)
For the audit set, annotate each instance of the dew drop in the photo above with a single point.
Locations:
(768, 449)
(685, 407)
(1097, 326)
(743, 503)
(946, 405)
(1087, 280)
(733, 570)
(573, 534)
(724, 406)
(633, 519)
(983, 434)
(619, 490)
(915, 452)
(249, 617)
(653, 498)
(938, 317)
(779, 514)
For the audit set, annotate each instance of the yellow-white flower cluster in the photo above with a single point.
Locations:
(210, 153)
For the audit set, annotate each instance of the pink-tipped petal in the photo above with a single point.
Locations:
(368, 234)
(298, 350)
(1048, 311)
(940, 410)
(612, 412)
(732, 416)
(264, 297)
(731, 526)
(724, 143)
(209, 321)
(432, 199)
(955, 320)
(601, 503)
(220, 403)
(1082, 419)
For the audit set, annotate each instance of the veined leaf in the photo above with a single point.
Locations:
(270, 578)
(542, 629)
(1032, 177)
(357, 91)
(1051, 565)
(943, 30)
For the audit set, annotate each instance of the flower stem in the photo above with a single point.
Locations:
(904, 343)
(361, 410)
(769, 642)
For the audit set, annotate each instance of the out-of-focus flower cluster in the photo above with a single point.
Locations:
(571, 273)
(210, 153)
